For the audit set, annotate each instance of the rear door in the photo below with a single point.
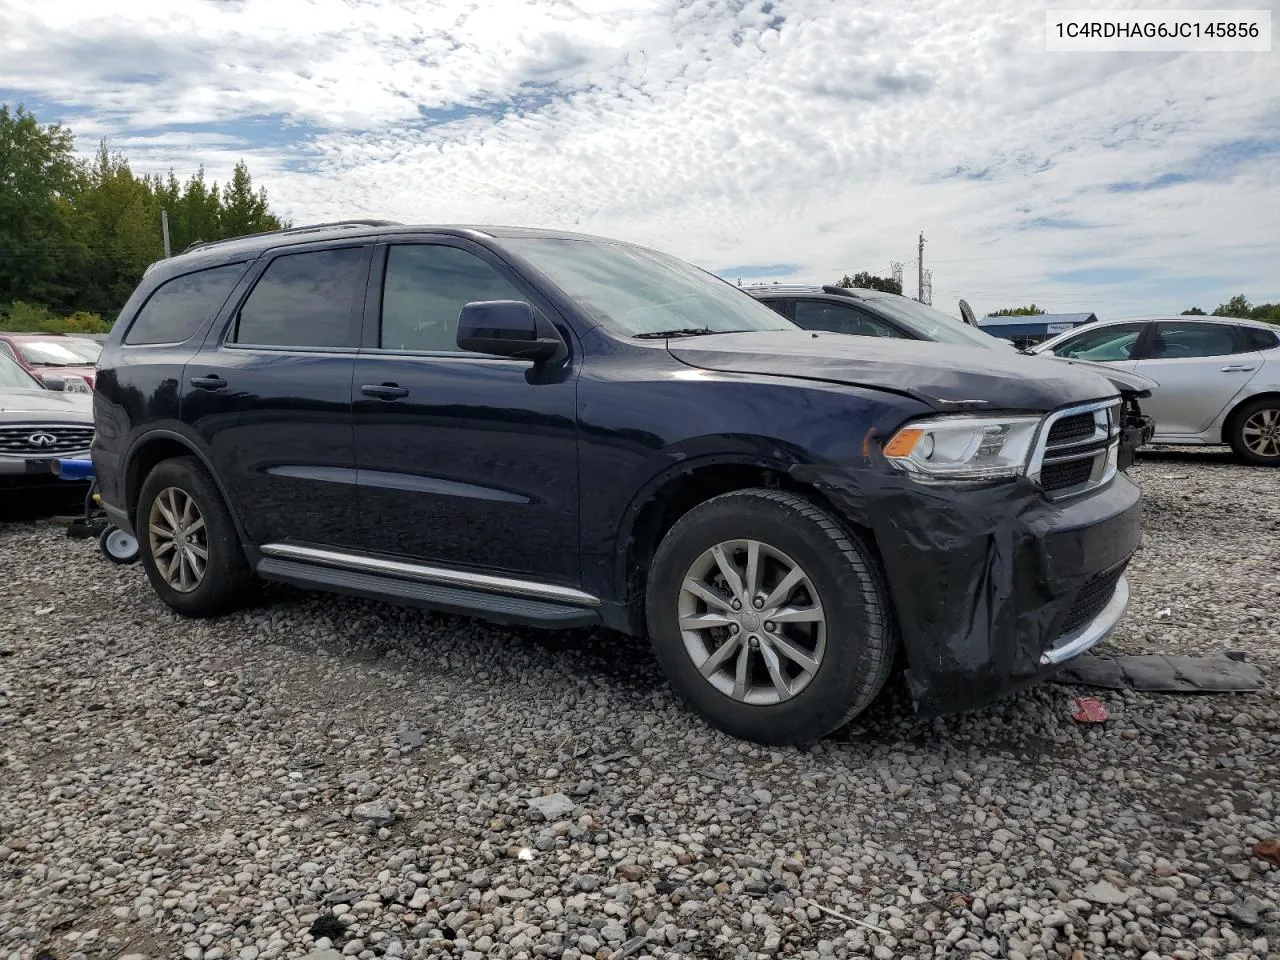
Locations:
(1200, 367)
(465, 460)
(269, 395)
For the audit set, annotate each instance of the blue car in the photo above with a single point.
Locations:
(558, 430)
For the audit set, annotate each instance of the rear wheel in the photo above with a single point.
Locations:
(769, 618)
(1255, 436)
(188, 540)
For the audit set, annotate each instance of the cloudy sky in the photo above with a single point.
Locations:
(777, 139)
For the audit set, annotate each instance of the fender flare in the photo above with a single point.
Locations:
(195, 449)
(653, 487)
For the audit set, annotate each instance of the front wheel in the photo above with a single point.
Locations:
(190, 548)
(1255, 436)
(769, 618)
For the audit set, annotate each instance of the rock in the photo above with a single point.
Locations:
(556, 806)
(1106, 893)
(1240, 871)
(376, 812)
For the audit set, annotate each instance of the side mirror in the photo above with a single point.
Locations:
(504, 328)
(56, 384)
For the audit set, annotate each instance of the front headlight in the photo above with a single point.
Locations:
(76, 385)
(963, 449)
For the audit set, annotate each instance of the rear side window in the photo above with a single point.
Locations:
(1184, 341)
(178, 309)
(1260, 339)
(306, 300)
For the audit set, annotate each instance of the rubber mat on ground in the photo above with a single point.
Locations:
(1217, 673)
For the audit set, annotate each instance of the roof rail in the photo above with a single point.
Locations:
(838, 291)
(308, 228)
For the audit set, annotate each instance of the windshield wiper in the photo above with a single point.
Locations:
(678, 332)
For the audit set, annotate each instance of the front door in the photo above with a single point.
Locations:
(270, 397)
(464, 460)
(1200, 367)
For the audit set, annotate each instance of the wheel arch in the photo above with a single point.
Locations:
(154, 448)
(673, 494)
(1230, 420)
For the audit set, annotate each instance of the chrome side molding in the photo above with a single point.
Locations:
(402, 570)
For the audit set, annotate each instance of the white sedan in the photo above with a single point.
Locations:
(1219, 378)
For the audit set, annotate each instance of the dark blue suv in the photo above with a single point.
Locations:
(560, 430)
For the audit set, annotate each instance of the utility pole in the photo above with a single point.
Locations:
(920, 270)
(164, 228)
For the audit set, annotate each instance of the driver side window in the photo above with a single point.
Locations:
(1117, 342)
(839, 318)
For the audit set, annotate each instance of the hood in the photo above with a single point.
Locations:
(944, 376)
(74, 406)
(1125, 381)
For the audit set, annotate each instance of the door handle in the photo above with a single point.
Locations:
(384, 391)
(211, 382)
(1236, 368)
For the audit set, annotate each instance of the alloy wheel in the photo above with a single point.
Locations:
(752, 622)
(178, 539)
(1261, 432)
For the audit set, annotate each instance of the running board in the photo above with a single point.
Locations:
(434, 596)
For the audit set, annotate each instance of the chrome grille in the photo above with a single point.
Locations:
(44, 440)
(1078, 449)
(1070, 429)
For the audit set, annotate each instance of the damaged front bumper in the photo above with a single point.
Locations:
(1136, 431)
(995, 587)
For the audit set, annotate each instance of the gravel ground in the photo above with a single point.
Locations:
(323, 777)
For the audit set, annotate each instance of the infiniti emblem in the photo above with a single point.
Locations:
(42, 439)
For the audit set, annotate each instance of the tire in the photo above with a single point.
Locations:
(1255, 432)
(118, 546)
(853, 647)
(224, 582)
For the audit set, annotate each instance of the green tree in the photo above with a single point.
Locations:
(118, 218)
(1193, 312)
(77, 236)
(1238, 307)
(39, 177)
(869, 281)
(1266, 311)
(244, 211)
(1031, 311)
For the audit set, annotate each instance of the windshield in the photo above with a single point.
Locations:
(54, 353)
(641, 292)
(935, 325)
(87, 350)
(13, 376)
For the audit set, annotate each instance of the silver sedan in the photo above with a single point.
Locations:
(1219, 378)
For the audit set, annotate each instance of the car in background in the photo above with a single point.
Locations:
(39, 422)
(1219, 377)
(69, 358)
(860, 312)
